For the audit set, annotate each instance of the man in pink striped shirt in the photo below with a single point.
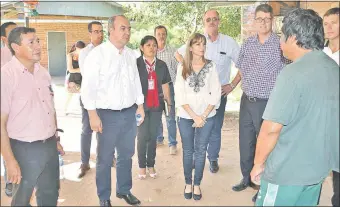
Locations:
(6, 54)
(28, 123)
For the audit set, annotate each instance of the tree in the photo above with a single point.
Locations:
(181, 18)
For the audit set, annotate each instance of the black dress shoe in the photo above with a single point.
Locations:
(214, 166)
(241, 186)
(129, 198)
(187, 196)
(9, 189)
(255, 197)
(83, 169)
(197, 197)
(105, 203)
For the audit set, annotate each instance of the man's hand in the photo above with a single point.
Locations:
(95, 122)
(256, 173)
(226, 89)
(60, 149)
(13, 172)
(140, 110)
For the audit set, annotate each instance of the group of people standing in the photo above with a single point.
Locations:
(289, 113)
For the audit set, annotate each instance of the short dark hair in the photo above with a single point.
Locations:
(15, 36)
(266, 8)
(89, 26)
(306, 26)
(146, 39)
(3, 28)
(335, 10)
(78, 44)
(160, 27)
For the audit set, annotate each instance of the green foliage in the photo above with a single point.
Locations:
(180, 18)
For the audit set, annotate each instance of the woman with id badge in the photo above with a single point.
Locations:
(198, 93)
(154, 77)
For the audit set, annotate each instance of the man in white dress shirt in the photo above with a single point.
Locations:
(222, 50)
(95, 29)
(111, 92)
(331, 28)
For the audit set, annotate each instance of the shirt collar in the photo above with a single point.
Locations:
(22, 67)
(114, 48)
(154, 60)
(269, 39)
(328, 50)
(208, 38)
(164, 49)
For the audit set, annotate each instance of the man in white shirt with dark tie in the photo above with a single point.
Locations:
(112, 94)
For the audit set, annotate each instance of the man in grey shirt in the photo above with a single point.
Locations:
(96, 34)
(298, 144)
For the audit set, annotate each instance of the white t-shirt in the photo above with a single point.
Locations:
(334, 56)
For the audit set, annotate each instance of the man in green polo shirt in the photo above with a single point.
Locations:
(299, 137)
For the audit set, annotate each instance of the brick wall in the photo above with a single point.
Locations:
(73, 33)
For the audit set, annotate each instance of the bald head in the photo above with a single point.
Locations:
(119, 30)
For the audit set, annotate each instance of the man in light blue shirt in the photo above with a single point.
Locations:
(222, 50)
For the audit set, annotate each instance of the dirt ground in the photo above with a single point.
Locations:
(167, 189)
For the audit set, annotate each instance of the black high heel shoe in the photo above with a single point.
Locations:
(187, 196)
(197, 196)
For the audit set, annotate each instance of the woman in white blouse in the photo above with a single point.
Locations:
(198, 93)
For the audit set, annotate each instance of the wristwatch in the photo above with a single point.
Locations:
(232, 85)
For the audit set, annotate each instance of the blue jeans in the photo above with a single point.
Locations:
(170, 121)
(119, 130)
(194, 141)
(214, 146)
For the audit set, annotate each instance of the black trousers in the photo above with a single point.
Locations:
(147, 139)
(39, 165)
(336, 195)
(251, 111)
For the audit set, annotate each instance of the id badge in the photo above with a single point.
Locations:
(151, 84)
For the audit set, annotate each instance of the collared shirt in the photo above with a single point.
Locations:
(147, 66)
(28, 100)
(259, 65)
(305, 100)
(334, 56)
(167, 55)
(198, 91)
(111, 80)
(82, 56)
(222, 51)
(6, 55)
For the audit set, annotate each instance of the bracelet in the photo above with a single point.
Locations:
(204, 116)
(232, 85)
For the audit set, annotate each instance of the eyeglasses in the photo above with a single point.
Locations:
(214, 19)
(260, 20)
(97, 31)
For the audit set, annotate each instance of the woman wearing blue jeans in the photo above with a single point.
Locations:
(198, 95)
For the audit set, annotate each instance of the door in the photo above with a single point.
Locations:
(56, 46)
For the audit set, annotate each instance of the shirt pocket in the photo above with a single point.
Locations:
(222, 58)
(46, 93)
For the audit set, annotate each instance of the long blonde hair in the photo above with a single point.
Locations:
(187, 62)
